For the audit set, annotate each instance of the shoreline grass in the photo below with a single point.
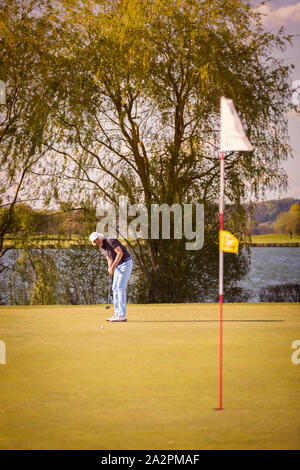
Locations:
(274, 238)
(54, 241)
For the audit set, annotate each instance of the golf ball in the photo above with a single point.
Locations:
(102, 327)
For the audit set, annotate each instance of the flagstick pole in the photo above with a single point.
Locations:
(221, 278)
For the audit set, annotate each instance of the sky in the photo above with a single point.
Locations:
(287, 13)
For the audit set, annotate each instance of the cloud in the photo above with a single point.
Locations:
(280, 16)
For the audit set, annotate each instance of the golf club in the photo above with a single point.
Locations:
(109, 292)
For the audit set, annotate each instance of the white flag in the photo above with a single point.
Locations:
(233, 137)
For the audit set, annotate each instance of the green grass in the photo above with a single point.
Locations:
(150, 383)
(46, 240)
(274, 238)
(55, 241)
(65, 242)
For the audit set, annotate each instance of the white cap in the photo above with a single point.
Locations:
(93, 236)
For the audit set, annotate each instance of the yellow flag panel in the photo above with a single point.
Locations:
(228, 242)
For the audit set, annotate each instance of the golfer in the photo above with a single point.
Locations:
(119, 267)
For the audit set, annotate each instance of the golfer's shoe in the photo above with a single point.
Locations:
(116, 318)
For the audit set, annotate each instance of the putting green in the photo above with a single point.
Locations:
(150, 383)
(274, 238)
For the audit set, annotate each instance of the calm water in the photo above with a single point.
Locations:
(270, 266)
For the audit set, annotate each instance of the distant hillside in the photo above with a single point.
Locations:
(268, 211)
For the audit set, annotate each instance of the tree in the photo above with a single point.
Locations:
(295, 208)
(24, 118)
(24, 219)
(129, 104)
(138, 112)
(294, 220)
(289, 222)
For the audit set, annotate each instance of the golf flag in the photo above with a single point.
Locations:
(233, 137)
(228, 242)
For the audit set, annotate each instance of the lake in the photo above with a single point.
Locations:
(271, 266)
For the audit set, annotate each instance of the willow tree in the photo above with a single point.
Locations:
(24, 116)
(136, 112)
(24, 119)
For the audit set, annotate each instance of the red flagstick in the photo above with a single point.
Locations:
(221, 269)
(232, 138)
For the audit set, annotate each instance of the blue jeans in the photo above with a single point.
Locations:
(121, 277)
